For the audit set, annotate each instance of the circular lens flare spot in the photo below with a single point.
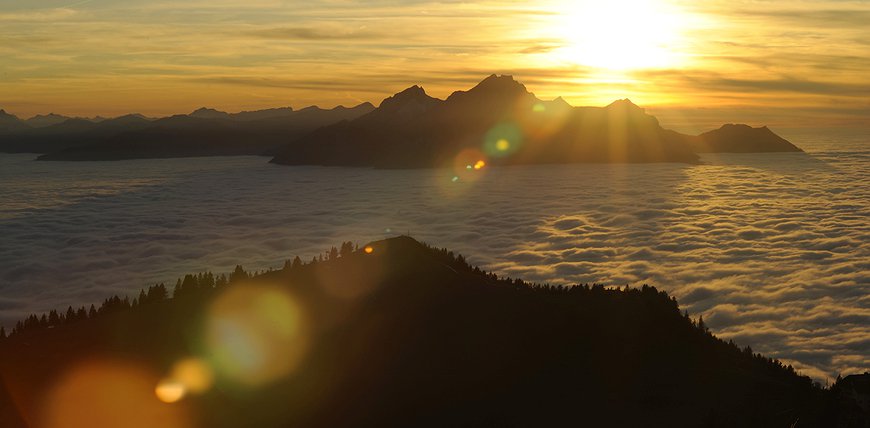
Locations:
(479, 164)
(170, 391)
(104, 393)
(502, 140)
(255, 334)
(194, 374)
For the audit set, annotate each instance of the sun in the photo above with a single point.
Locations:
(619, 34)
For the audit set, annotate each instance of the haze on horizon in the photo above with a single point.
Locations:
(779, 63)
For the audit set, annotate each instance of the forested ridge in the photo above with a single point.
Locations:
(399, 333)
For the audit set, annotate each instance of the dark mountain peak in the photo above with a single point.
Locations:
(208, 113)
(410, 102)
(492, 92)
(499, 83)
(310, 109)
(364, 106)
(414, 93)
(43, 120)
(10, 122)
(560, 100)
(735, 127)
(275, 109)
(742, 128)
(624, 103)
(44, 116)
(127, 118)
(742, 138)
(558, 103)
(270, 113)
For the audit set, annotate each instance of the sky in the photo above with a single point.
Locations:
(788, 64)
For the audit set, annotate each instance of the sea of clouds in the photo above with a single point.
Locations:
(772, 249)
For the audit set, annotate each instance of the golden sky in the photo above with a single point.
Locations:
(693, 63)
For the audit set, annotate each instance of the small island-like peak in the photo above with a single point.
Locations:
(742, 138)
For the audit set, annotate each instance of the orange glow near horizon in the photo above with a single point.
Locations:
(255, 54)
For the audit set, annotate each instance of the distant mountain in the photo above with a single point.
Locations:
(503, 123)
(498, 118)
(43, 120)
(401, 334)
(10, 123)
(738, 138)
(498, 122)
(69, 133)
(271, 113)
(204, 132)
(209, 113)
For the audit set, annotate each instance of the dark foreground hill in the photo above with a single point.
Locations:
(395, 334)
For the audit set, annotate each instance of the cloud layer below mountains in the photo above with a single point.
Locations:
(773, 250)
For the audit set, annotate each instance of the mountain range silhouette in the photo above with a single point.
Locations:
(498, 117)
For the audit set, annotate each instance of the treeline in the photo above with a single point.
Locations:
(190, 285)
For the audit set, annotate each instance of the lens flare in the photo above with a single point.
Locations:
(466, 165)
(195, 374)
(255, 335)
(503, 140)
(112, 393)
(368, 249)
(170, 391)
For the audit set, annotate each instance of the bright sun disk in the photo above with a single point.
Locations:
(619, 34)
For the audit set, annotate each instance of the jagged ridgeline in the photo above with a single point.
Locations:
(395, 333)
(498, 121)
